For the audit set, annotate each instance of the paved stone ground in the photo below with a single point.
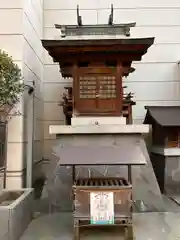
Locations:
(58, 226)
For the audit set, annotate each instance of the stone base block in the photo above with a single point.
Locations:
(81, 121)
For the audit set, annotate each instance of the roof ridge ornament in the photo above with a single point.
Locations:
(110, 20)
(95, 29)
(79, 18)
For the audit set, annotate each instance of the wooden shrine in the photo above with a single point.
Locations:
(97, 66)
(97, 58)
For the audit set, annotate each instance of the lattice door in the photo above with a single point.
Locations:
(97, 91)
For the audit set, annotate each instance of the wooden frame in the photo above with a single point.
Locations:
(67, 105)
(122, 202)
(98, 104)
(173, 138)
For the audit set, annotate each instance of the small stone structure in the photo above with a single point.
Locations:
(165, 150)
(16, 212)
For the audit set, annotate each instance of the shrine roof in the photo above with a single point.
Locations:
(126, 48)
(165, 116)
(66, 42)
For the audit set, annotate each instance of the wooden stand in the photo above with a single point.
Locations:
(122, 194)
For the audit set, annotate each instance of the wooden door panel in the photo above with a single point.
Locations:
(106, 105)
(97, 91)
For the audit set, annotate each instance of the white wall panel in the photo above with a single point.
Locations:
(53, 92)
(11, 4)
(69, 4)
(11, 21)
(162, 34)
(29, 77)
(52, 75)
(32, 60)
(37, 5)
(162, 53)
(138, 4)
(32, 37)
(143, 17)
(52, 17)
(51, 33)
(155, 91)
(53, 112)
(13, 45)
(154, 72)
(94, 4)
(33, 17)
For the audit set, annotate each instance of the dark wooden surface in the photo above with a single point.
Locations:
(94, 97)
(67, 105)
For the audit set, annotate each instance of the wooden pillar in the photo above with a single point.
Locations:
(130, 174)
(74, 89)
(119, 91)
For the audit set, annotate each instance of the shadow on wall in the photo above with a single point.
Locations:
(38, 187)
(148, 139)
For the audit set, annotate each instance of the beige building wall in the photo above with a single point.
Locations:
(156, 79)
(20, 32)
(25, 22)
(33, 72)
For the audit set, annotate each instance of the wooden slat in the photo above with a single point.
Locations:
(121, 182)
(101, 183)
(116, 181)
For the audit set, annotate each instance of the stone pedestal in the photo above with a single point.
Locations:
(101, 146)
(166, 163)
(84, 121)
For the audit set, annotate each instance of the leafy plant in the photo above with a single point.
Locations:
(11, 84)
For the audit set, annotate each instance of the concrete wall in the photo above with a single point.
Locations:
(156, 79)
(20, 33)
(33, 69)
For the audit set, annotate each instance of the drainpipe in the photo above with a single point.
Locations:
(30, 136)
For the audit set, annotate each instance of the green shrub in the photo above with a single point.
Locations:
(11, 83)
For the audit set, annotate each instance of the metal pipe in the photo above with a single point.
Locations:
(30, 140)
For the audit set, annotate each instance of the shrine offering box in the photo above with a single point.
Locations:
(102, 201)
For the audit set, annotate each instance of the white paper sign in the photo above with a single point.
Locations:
(102, 207)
